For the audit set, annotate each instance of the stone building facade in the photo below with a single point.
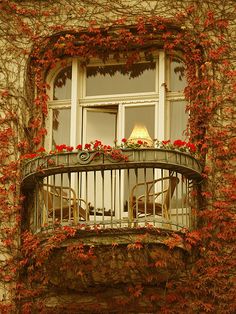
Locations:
(117, 156)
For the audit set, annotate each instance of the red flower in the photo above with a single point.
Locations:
(191, 147)
(165, 142)
(124, 140)
(116, 154)
(106, 147)
(140, 142)
(79, 147)
(87, 146)
(179, 143)
(40, 150)
(69, 148)
(61, 147)
(97, 144)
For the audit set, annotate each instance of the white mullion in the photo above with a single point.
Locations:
(160, 121)
(120, 123)
(167, 120)
(84, 139)
(156, 122)
(120, 135)
(74, 100)
(81, 95)
(49, 126)
(162, 96)
(74, 113)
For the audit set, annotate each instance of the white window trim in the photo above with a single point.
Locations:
(74, 108)
(79, 100)
(114, 97)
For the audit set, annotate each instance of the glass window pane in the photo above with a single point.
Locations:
(101, 126)
(114, 79)
(142, 116)
(177, 78)
(62, 85)
(178, 120)
(61, 127)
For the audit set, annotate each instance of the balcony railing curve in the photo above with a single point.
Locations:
(174, 160)
(130, 188)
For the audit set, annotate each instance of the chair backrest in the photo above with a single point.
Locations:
(56, 197)
(63, 199)
(173, 181)
(148, 200)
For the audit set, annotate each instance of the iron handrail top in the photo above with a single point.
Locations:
(66, 162)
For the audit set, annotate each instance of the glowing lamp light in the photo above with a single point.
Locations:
(140, 133)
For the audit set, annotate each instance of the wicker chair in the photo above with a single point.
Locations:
(151, 202)
(60, 203)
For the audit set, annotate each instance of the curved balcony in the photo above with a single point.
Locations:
(130, 188)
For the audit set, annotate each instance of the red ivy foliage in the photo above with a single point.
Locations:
(203, 36)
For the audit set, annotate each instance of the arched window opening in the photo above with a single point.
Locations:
(82, 95)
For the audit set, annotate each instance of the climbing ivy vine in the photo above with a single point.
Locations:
(34, 37)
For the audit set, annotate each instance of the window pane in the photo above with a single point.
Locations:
(177, 78)
(61, 127)
(178, 120)
(62, 85)
(101, 126)
(142, 116)
(114, 79)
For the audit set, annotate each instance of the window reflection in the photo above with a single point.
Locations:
(62, 84)
(61, 127)
(178, 120)
(115, 79)
(177, 76)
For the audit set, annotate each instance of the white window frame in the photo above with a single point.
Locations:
(161, 97)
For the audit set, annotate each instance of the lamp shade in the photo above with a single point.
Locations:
(140, 133)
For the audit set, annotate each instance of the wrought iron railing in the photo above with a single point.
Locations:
(131, 189)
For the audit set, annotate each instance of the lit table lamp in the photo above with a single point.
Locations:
(140, 133)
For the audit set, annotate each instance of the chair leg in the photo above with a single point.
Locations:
(75, 216)
(131, 215)
(45, 216)
(167, 217)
